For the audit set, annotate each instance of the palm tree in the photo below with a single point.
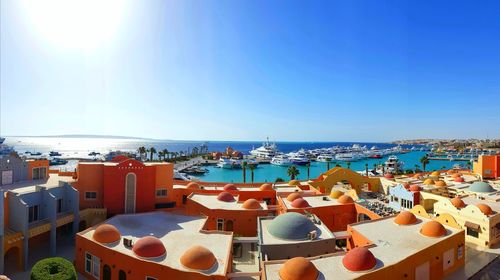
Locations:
(328, 163)
(417, 168)
(152, 151)
(348, 165)
(308, 170)
(424, 161)
(366, 169)
(252, 168)
(141, 150)
(165, 154)
(469, 165)
(244, 168)
(293, 172)
(160, 155)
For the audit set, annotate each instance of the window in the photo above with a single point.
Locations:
(59, 205)
(90, 195)
(472, 232)
(33, 214)
(460, 251)
(150, 278)
(220, 224)
(161, 192)
(122, 275)
(92, 265)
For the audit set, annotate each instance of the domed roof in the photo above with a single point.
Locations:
(193, 185)
(406, 186)
(433, 229)
(293, 196)
(251, 203)
(405, 218)
(266, 187)
(119, 158)
(440, 184)
(389, 176)
(344, 199)
(336, 194)
(481, 187)
(486, 209)
(198, 257)
(455, 175)
(451, 171)
(300, 203)
(459, 179)
(417, 176)
(429, 182)
(230, 187)
(149, 247)
(225, 196)
(294, 183)
(436, 173)
(106, 233)
(298, 268)
(415, 188)
(457, 202)
(291, 226)
(359, 259)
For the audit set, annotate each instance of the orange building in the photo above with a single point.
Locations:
(38, 169)
(487, 166)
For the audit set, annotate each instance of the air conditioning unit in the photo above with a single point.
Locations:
(312, 235)
(127, 242)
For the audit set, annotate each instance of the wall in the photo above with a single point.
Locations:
(36, 164)
(18, 166)
(90, 179)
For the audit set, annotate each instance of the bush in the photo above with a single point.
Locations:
(52, 269)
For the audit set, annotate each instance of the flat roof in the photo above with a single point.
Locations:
(211, 202)
(495, 206)
(314, 201)
(111, 163)
(268, 239)
(178, 233)
(30, 185)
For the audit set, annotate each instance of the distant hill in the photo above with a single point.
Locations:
(89, 136)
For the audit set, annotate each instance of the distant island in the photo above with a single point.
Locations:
(89, 136)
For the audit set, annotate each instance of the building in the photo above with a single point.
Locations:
(156, 245)
(403, 197)
(14, 168)
(487, 166)
(401, 247)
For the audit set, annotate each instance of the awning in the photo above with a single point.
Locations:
(472, 226)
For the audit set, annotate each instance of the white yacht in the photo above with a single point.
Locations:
(393, 164)
(2, 139)
(266, 151)
(281, 160)
(228, 163)
(346, 157)
(299, 158)
(325, 157)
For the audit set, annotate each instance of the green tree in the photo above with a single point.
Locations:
(366, 169)
(160, 155)
(293, 172)
(328, 160)
(348, 165)
(142, 151)
(417, 168)
(279, 180)
(469, 165)
(308, 170)
(152, 151)
(244, 169)
(252, 168)
(424, 161)
(165, 154)
(53, 269)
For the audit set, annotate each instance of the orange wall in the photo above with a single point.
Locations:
(90, 178)
(37, 163)
(488, 162)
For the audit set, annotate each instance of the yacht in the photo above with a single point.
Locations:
(266, 151)
(325, 157)
(345, 157)
(54, 154)
(2, 139)
(393, 164)
(281, 160)
(299, 158)
(228, 163)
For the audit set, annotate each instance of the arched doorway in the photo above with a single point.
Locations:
(229, 225)
(13, 260)
(130, 188)
(122, 275)
(106, 272)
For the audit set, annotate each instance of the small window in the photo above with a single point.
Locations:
(59, 205)
(161, 192)
(33, 214)
(472, 232)
(220, 224)
(90, 195)
(92, 265)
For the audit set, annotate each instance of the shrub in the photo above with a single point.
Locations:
(52, 269)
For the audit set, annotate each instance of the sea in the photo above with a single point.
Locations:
(80, 147)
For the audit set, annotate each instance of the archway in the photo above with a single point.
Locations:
(106, 272)
(130, 188)
(122, 275)
(12, 260)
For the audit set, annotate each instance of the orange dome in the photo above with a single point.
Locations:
(294, 183)
(251, 203)
(344, 199)
(149, 247)
(193, 185)
(293, 196)
(225, 196)
(440, 184)
(417, 176)
(459, 179)
(486, 209)
(106, 233)
(389, 176)
(429, 182)
(457, 202)
(336, 194)
(405, 218)
(436, 173)
(433, 229)
(266, 187)
(456, 175)
(298, 268)
(415, 188)
(230, 187)
(407, 186)
(199, 258)
(451, 171)
(300, 203)
(359, 259)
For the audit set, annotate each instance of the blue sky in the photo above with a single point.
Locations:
(244, 70)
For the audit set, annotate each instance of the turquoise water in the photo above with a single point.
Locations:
(269, 172)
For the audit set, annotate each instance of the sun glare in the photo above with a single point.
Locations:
(76, 24)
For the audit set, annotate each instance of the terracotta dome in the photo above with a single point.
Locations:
(298, 268)
(405, 218)
(225, 196)
(486, 209)
(336, 194)
(294, 183)
(389, 176)
(417, 176)
(429, 182)
(344, 199)
(433, 229)
(440, 184)
(451, 171)
(457, 202)
(251, 203)
(266, 187)
(149, 247)
(407, 186)
(359, 259)
(230, 187)
(193, 185)
(459, 179)
(199, 258)
(455, 175)
(300, 203)
(436, 174)
(415, 188)
(106, 233)
(293, 196)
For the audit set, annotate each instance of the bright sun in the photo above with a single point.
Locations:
(76, 24)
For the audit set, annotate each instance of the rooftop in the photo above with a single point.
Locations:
(211, 202)
(30, 185)
(495, 206)
(314, 201)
